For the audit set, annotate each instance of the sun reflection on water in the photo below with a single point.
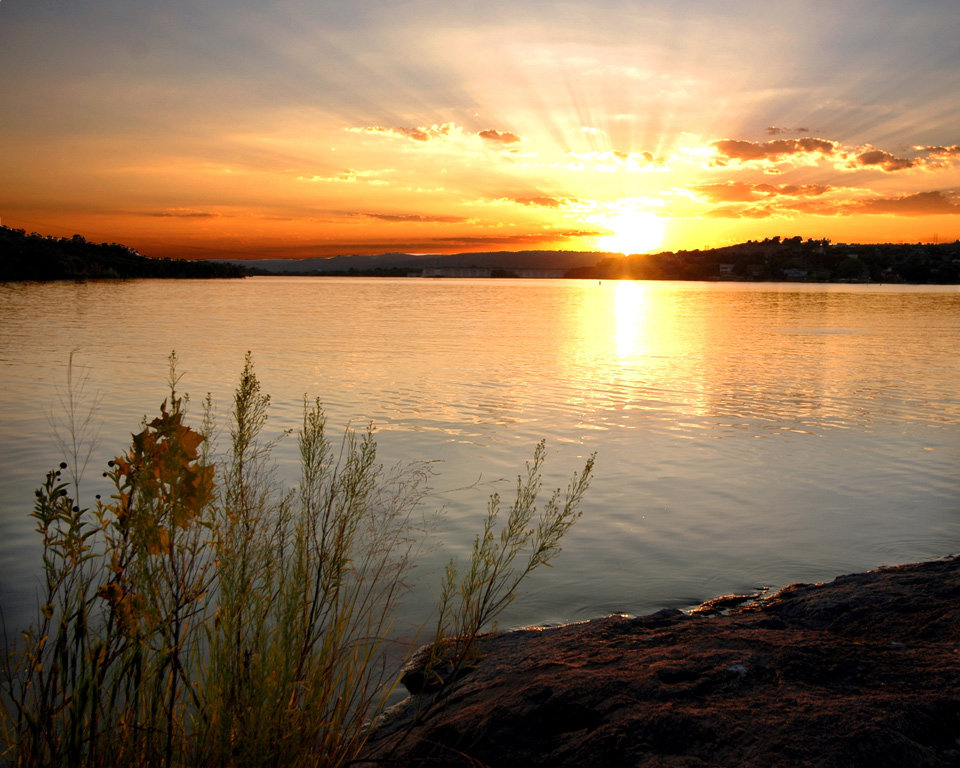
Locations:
(631, 306)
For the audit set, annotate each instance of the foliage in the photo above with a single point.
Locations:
(36, 257)
(204, 616)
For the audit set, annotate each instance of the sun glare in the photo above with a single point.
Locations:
(632, 232)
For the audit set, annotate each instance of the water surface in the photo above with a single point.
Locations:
(747, 434)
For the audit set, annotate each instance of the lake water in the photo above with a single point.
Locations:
(746, 435)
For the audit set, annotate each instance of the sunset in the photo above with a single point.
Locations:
(311, 129)
(447, 384)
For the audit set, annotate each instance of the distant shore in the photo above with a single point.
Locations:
(862, 671)
(33, 257)
(772, 260)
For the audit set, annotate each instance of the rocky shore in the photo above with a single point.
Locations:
(861, 672)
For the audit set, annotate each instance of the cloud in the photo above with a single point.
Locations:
(415, 133)
(542, 201)
(773, 130)
(504, 137)
(536, 238)
(350, 176)
(742, 212)
(611, 161)
(739, 191)
(413, 217)
(919, 204)
(941, 152)
(878, 158)
(423, 134)
(182, 213)
(939, 157)
(936, 203)
(777, 149)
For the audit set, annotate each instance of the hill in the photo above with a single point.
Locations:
(404, 263)
(791, 259)
(774, 259)
(36, 257)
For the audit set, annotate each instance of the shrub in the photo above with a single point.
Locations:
(204, 616)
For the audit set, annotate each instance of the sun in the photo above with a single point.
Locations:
(632, 232)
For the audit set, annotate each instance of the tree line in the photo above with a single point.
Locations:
(33, 257)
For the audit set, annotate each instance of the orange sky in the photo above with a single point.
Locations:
(299, 128)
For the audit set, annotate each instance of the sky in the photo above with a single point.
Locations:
(288, 128)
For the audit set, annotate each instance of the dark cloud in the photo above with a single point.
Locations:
(774, 130)
(920, 204)
(776, 149)
(885, 160)
(795, 190)
(935, 203)
(953, 151)
(417, 134)
(413, 217)
(504, 137)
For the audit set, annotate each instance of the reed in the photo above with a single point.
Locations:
(204, 615)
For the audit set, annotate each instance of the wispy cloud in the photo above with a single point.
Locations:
(609, 161)
(919, 204)
(542, 201)
(414, 133)
(350, 176)
(843, 203)
(774, 130)
(182, 213)
(740, 191)
(413, 217)
(435, 132)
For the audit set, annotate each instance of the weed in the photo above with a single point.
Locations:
(204, 616)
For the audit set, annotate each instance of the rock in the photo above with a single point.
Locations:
(861, 672)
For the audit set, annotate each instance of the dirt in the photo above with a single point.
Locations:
(861, 672)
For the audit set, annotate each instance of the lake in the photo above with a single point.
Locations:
(747, 435)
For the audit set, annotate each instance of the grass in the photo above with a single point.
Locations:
(205, 615)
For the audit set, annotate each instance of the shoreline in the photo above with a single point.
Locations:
(860, 671)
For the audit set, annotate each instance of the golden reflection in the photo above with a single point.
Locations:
(631, 306)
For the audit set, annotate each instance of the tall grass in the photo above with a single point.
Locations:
(203, 615)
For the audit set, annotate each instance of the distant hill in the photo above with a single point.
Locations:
(401, 262)
(39, 258)
(793, 259)
(790, 259)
